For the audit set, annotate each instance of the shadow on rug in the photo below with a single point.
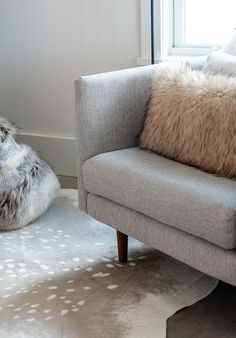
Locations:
(213, 317)
(60, 277)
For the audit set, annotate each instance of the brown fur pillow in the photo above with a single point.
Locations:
(191, 118)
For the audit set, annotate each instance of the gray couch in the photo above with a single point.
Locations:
(175, 208)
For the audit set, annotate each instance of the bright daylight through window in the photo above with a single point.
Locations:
(203, 23)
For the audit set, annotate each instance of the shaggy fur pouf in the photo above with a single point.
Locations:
(27, 184)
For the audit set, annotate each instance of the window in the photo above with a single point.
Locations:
(186, 27)
(203, 23)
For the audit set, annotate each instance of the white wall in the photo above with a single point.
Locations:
(45, 45)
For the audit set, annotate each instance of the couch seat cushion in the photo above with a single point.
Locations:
(172, 193)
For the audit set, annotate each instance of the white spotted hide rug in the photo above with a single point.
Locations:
(60, 278)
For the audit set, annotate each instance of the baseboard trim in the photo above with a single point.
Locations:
(58, 151)
(68, 182)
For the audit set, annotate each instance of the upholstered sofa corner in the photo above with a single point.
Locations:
(177, 209)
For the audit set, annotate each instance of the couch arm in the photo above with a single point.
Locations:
(109, 113)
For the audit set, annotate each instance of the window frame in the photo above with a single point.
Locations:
(165, 30)
(179, 28)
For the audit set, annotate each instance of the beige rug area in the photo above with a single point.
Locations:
(60, 277)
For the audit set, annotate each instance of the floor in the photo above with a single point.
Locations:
(213, 317)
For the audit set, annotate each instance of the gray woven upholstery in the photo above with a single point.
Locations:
(109, 109)
(170, 192)
(200, 254)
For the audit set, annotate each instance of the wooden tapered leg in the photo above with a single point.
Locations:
(122, 241)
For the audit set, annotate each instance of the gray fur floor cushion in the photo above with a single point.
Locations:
(27, 184)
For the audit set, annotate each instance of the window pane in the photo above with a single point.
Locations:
(209, 21)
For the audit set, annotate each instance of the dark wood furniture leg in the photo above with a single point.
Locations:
(122, 241)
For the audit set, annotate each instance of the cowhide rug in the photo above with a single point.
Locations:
(60, 277)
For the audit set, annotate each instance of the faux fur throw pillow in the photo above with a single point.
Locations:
(191, 117)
